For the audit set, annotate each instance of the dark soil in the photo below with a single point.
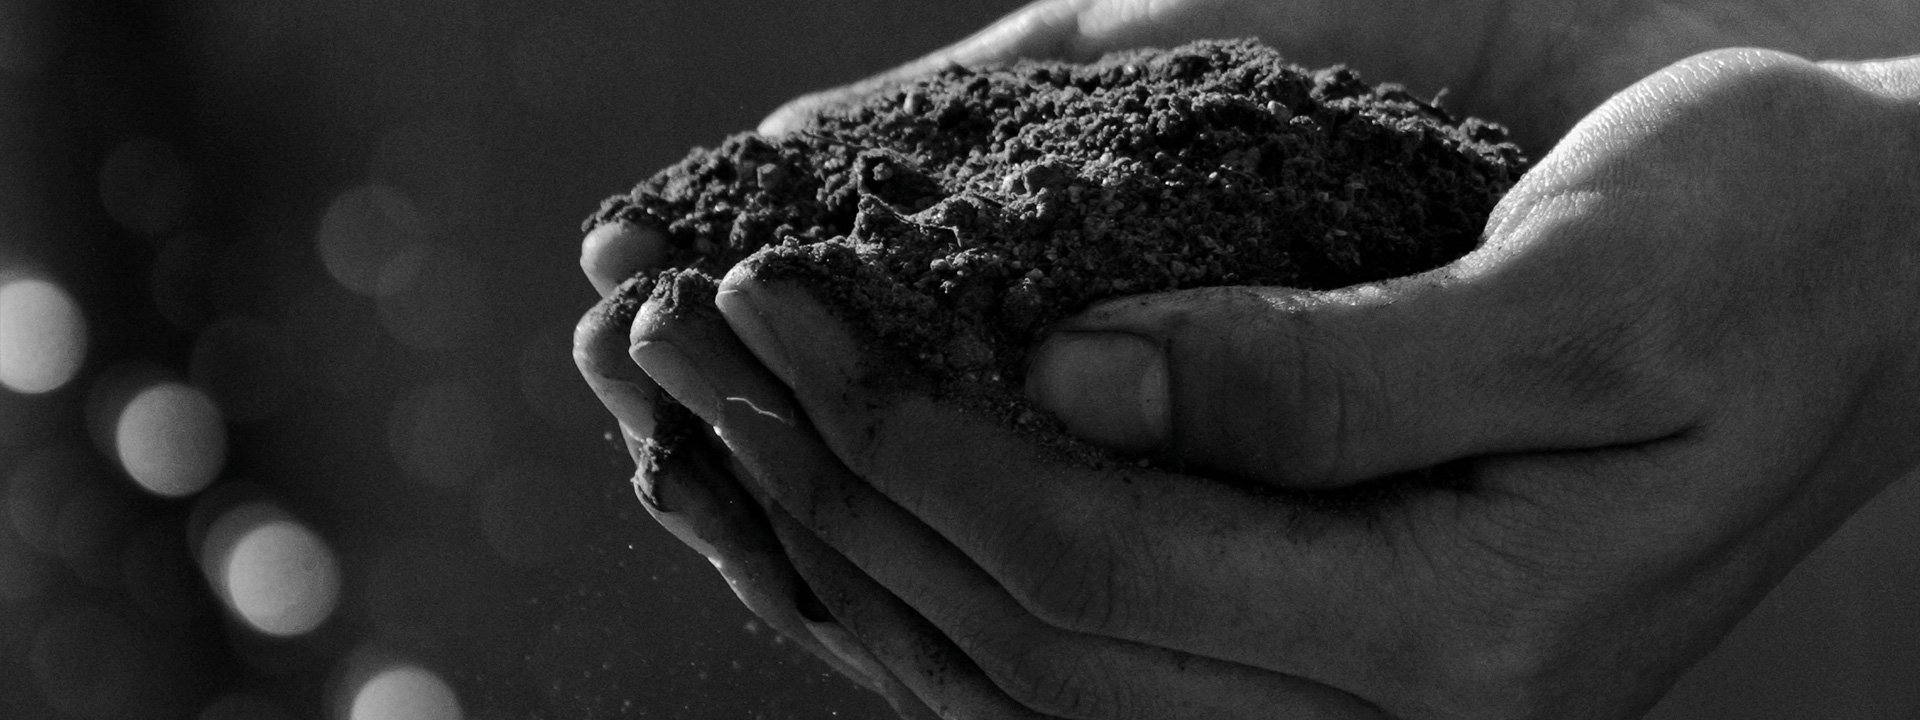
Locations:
(954, 217)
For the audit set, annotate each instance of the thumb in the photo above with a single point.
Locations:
(1321, 389)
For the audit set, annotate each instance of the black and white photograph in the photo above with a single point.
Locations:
(1003, 360)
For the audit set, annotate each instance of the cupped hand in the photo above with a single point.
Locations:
(1537, 66)
(691, 485)
(1678, 362)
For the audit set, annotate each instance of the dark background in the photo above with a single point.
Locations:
(339, 237)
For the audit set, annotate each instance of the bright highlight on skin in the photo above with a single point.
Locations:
(43, 337)
(171, 440)
(274, 573)
(405, 692)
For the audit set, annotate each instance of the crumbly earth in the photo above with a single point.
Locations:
(950, 219)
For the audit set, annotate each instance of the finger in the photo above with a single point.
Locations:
(1517, 347)
(918, 656)
(1043, 668)
(1050, 670)
(1214, 570)
(755, 565)
(1616, 288)
(1043, 30)
(617, 250)
(837, 637)
(600, 353)
(660, 333)
(692, 494)
(690, 490)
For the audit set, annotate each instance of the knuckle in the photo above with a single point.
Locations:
(1487, 663)
(1067, 571)
(1325, 387)
(1072, 600)
(1054, 677)
(1632, 370)
(1271, 394)
(1749, 70)
(1053, 672)
(1748, 97)
(1518, 627)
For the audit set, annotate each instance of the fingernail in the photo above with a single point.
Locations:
(753, 329)
(598, 344)
(737, 302)
(1109, 388)
(678, 375)
(615, 251)
(789, 330)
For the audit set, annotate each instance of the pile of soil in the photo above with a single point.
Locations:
(953, 217)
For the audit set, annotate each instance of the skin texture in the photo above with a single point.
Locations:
(1680, 360)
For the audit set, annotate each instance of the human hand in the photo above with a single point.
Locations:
(1654, 389)
(686, 480)
(1542, 68)
(1536, 67)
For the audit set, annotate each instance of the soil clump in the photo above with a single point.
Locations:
(951, 218)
